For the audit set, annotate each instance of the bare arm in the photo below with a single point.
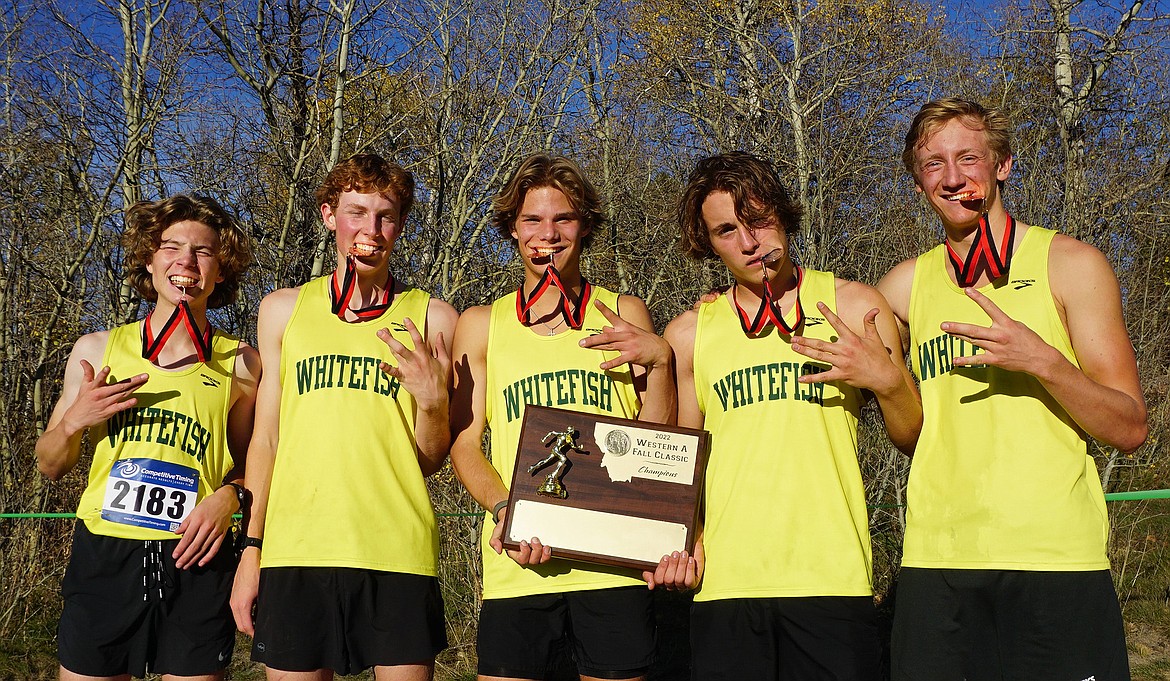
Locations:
(679, 570)
(895, 288)
(242, 417)
(425, 373)
(468, 409)
(632, 335)
(901, 406)
(1104, 395)
(87, 399)
(275, 311)
(468, 420)
(204, 530)
(680, 333)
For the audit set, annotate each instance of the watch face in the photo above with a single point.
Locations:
(241, 494)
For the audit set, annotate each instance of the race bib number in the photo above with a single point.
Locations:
(148, 493)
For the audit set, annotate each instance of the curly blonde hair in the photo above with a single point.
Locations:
(147, 220)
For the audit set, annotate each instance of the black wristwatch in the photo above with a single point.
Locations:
(243, 496)
(252, 541)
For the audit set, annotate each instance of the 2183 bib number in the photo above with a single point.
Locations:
(148, 493)
(156, 500)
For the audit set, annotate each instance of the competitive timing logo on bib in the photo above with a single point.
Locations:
(128, 469)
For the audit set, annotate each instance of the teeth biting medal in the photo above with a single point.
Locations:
(152, 345)
(572, 308)
(341, 292)
(769, 311)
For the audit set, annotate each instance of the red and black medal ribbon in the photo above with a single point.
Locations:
(769, 311)
(182, 316)
(572, 307)
(984, 255)
(341, 293)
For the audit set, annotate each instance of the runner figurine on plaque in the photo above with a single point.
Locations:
(562, 442)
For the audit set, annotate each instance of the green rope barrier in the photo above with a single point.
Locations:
(1133, 496)
(1111, 496)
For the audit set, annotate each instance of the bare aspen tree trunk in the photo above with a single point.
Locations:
(796, 112)
(140, 110)
(602, 126)
(296, 152)
(9, 214)
(268, 56)
(341, 77)
(745, 63)
(1072, 103)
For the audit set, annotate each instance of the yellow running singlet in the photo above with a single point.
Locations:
(554, 371)
(1001, 478)
(153, 462)
(785, 505)
(347, 490)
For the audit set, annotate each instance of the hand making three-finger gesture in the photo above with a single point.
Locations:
(425, 371)
(1006, 343)
(859, 361)
(633, 344)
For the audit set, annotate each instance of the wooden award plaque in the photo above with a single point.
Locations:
(631, 489)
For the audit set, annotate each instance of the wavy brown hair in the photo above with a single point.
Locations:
(558, 172)
(147, 220)
(934, 115)
(755, 187)
(366, 174)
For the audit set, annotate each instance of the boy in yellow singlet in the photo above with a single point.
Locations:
(555, 323)
(777, 369)
(169, 415)
(339, 573)
(1017, 338)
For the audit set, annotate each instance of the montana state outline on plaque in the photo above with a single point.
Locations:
(629, 453)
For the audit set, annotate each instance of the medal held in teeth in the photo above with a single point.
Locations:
(984, 254)
(572, 308)
(182, 316)
(341, 291)
(769, 311)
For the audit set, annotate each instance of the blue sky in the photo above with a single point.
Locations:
(972, 11)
